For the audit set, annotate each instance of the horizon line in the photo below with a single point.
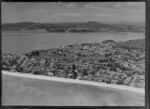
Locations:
(143, 22)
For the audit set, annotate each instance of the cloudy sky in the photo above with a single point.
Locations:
(112, 12)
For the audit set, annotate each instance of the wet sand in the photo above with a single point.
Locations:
(30, 91)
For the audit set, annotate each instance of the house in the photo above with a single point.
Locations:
(70, 75)
(36, 72)
(110, 76)
(79, 77)
(85, 77)
(12, 70)
(95, 78)
(115, 77)
(100, 80)
(97, 73)
(118, 70)
(114, 81)
(85, 47)
(50, 74)
(61, 73)
(126, 82)
(90, 77)
(141, 77)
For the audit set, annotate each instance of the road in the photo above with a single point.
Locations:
(133, 81)
(127, 63)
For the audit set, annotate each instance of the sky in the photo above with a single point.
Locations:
(49, 12)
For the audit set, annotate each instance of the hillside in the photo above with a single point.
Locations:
(75, 27)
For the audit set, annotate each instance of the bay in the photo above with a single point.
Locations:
(21, 42)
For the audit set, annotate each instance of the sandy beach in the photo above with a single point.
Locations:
(28, 89)
(66, 80)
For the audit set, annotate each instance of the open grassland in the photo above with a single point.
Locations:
(28, 91)
(138, 43)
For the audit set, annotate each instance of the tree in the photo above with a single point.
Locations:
(109, 81)
(35, 53)
(73, 67)
(74, 72)
(84, 72)
(75, 75)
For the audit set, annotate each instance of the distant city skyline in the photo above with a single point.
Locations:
(104, 12)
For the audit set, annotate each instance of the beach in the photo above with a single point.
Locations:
(67, 80)
(27, 89)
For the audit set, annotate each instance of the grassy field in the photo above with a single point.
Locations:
(138, 43)
(27, 91)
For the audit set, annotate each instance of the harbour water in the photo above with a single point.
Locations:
(21, 42)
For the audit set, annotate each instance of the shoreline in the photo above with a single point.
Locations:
(67, 80)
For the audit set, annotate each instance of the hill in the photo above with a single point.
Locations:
(75, 27)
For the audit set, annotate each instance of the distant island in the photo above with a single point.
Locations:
(108, 62)
(90, 26)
